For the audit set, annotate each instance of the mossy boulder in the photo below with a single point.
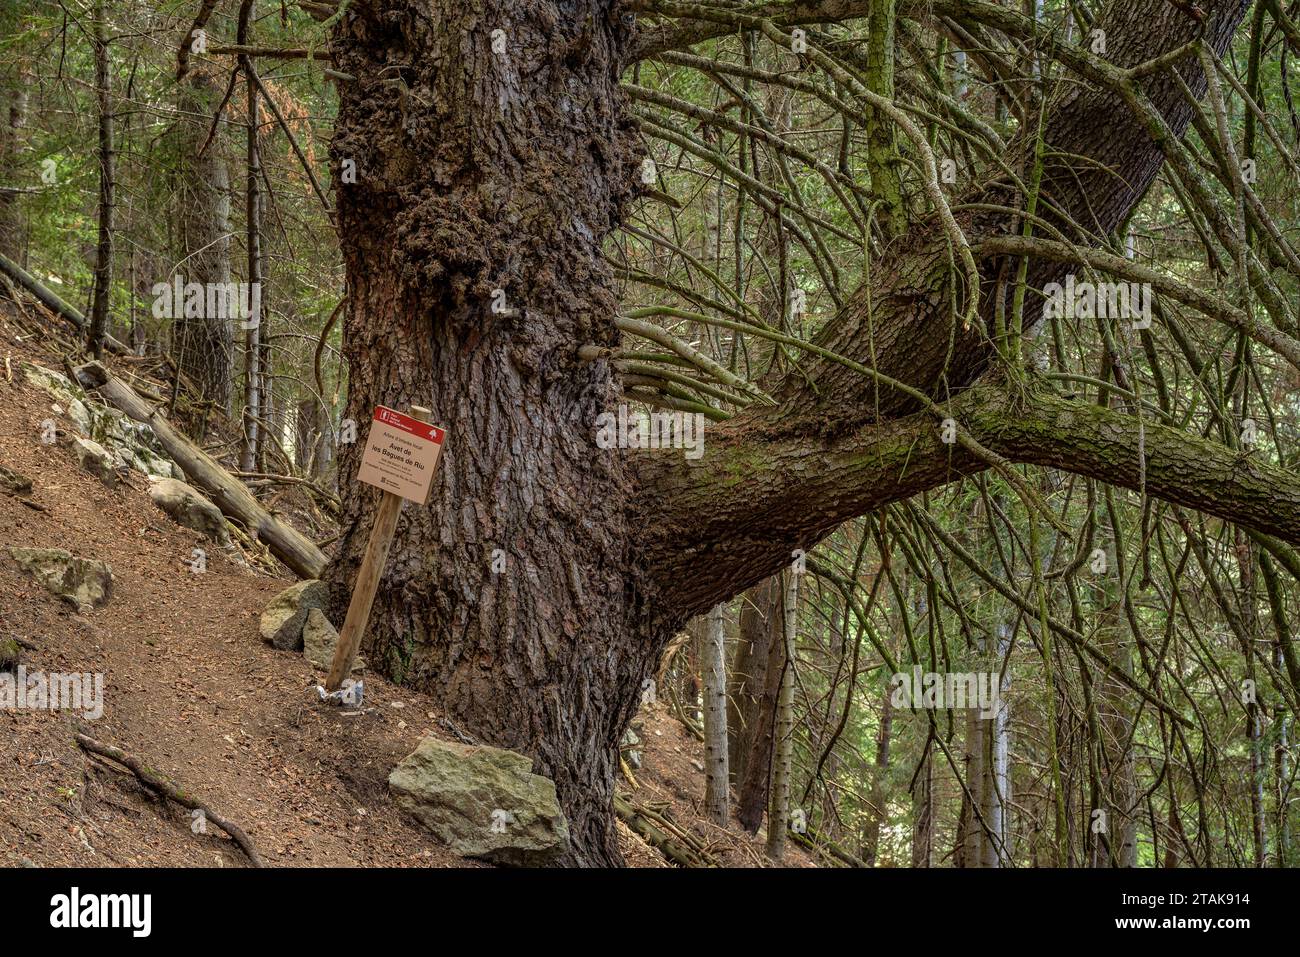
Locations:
(482, 802)
(84, 583)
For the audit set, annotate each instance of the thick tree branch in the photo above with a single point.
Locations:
(718, 526)
(778, 479)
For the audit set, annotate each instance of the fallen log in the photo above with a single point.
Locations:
(50, 300)
(663, 834)
(155, 781)
(286, 543)
(815, 842)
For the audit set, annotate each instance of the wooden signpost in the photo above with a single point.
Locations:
(400, 456)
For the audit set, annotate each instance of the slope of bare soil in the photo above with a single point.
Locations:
(192, 691)
(189, 688)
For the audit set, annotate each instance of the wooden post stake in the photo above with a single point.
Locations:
(367, 583)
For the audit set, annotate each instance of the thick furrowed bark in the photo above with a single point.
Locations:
(489, 167)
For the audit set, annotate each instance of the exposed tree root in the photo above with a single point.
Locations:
(152, 779)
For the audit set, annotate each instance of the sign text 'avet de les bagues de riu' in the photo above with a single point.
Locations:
(401, 454)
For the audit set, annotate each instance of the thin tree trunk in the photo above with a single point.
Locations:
(758, 608)
(717, 786)
(977, 784)
(204, 344)
(1246, 562)
(13, 118)
(248, 457)
(309, 433)
(97, 326)
(997, 787)
(923, 813)
(755, 782)
(778, 815)
(877, 814)
(270, 434)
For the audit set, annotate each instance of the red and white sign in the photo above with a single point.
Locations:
(401, 454)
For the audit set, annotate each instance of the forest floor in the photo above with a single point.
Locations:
(191, 690)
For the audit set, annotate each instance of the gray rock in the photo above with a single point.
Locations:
(81, 416)
(320, 640)
(135, 443)
(82, 582)
(187, 506)
(96, 460)
(283, 620)
(482, 802)
(14, 483)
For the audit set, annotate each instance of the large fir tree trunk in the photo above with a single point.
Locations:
(493, 161)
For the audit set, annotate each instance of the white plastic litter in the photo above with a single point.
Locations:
(350, 695)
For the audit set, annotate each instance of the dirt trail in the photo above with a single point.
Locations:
(189, 688)
(192, 691)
